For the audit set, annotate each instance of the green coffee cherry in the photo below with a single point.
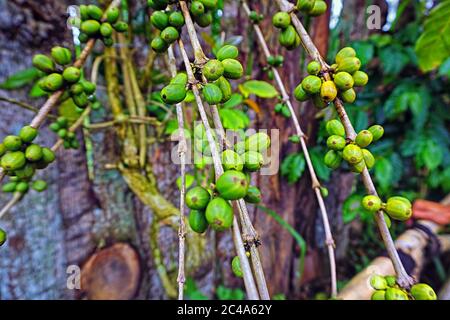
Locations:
(313, 68)
(88, 87)
(94, 12)
(332, 159)
(28, 134)
(48, 156)
(395, 294)
(350, 65)
(311, 84)
(212, 94)
(373, 204)
(53, 82)
(253, 160)
(378, 282)
(348, 96)
(227, 52)
(360, 78)
(181, 78)
(12, 143)
(352, 154)
(81, 100)
(71, 74)
(159, 19)
(343, 80)
(33, 152)
(232, 185)
(364, 138)
(318, 9)
(232, 161)
(369, 159)
(257, 142)
(398, 208)
(62, 133)
(120, 26)
(253, 195)
(13, 160)
(209, 4)
(9, 187)
(2, 149)
(3, 237)
(106, 29)
(62, 56)
(288, 36)
(159, 45)
(335, 127)
(90, 27)
(197, 221)
(62, 121)
(176, 19)
(197, 8)
(213, 70)
(112, 15)
(239, 147)
(324, 192)
(219, 214)
(232, 69)
(170, 34)
(76, 88)
(22, 187)
(39, 185)
(236, 267)
(300, 94)
(84, 12)
(336, 142)
(305, 5)
(26, 172)
(43, 63)
(157, 4)
(377, 131)
(347, 52)
(204, 20)
(391, 280)
(281, 20)
(422, 291)
(173, 93)
(378, 295)
(83, 37)
(197, 198)
(225, 87)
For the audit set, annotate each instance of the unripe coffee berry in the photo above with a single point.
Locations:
(28, 134)
(371, 203)
(352, 154)
(12, 143)
(335, 142)
(213, 70)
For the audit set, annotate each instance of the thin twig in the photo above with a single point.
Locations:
(248, 229)
(23, 105)
(182, 149)
(249, 282)
(314, 180)
(403, 279)
(11, 203)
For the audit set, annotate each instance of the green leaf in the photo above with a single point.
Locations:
(171, 126)
(37, 92)
(20, 79)
(444, 69)
(431, 154)
(381, 40)
(224, 293)
(261, 89)
(235, 100)
(393, 59)
(189, 180)
(322, 171)
(351, 208)
(383, 173)
(364, 51)
(433, 46)
(293, 167)
(234, 119)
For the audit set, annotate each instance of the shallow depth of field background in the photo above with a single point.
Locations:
(89, 207)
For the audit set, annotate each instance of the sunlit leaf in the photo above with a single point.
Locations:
(259, 88)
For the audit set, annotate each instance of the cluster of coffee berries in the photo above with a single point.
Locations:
(282, 109)
(61, 128)
(312, 8)
(353, 152)
(386, 288)
(344, 76)
(210, 207)
(170, 24)
(96, 24)
(216, 72)
(61, 75)
(256, 17)
(398, 208)
(16, 184)
(20, 157)
(202, 11)
(289, 37)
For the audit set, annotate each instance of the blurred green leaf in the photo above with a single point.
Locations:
(37, 92)
(431, 154)
(293, 167)
(235, 100)
(351, 208)
(171, 126)
(364, 51)
(259, 88)
(234, 119)
(383, 173)
(393, 59)
(444, 69)
(189, 180)
(224, 293)
(322, 171)
(20, 79)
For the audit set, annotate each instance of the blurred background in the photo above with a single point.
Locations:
(117, 225)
